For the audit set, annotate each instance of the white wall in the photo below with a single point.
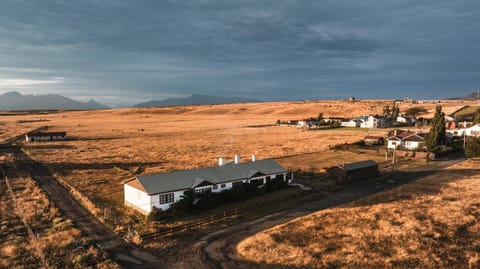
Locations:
(177, 196)
(137, 198)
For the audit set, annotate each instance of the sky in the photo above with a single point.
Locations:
(126, 52)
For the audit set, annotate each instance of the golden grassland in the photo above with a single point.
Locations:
(429, 223)
(57, 238)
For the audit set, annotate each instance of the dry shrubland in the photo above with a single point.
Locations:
(430, 223)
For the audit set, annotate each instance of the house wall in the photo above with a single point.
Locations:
(412, 145)
(349, 124)
(44, 138)
(137, 199)
(391, 144)
(177, 196)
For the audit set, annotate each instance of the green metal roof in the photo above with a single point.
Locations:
(186, 179)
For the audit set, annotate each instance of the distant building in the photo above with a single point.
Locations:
(374, 140)
(45, 136)
(355, 171)
(406, 140)
(471, 131)
(351, 123)
(308, 122)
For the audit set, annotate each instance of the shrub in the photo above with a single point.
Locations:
(472, 148)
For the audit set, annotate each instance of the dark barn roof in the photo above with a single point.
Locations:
(358, 165)
(186, 179)
(47, 134)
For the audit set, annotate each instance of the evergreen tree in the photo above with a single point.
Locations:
(436, 136)
(320, 116)
(472, 148)
(476, 116)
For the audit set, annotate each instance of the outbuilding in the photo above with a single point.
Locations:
(356, 171)
(45, 136)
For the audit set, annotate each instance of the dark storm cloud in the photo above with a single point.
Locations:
(129, 51)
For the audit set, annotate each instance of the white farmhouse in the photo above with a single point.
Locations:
(164, 189)
(471, 131)
(351, 123)
(406, 140)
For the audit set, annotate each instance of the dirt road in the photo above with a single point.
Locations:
(125, 254)
(218, 250)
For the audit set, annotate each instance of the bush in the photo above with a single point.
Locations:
(472, 148)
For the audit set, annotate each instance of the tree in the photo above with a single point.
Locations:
(415, 111)
(476, 116)
(436, 136)
(472, 148)
(320, 116)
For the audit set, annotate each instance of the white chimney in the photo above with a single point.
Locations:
(221, 161)
(237, 158)
(254, 158)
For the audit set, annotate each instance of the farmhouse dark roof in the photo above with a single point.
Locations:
(358, 165)
(186, 179)
(47, 134)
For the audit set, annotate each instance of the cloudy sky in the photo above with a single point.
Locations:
(125, 52)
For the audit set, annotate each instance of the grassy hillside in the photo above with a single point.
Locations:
(431, 223)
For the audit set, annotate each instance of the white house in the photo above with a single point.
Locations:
(351, 123)
(406, 140)
(372, 121)
(471, 131)
(164, 189)
(45, 136)
(308, 122)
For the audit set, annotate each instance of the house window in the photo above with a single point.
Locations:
(215, 186)
(165, 198)
(223, 185)
(203, 191)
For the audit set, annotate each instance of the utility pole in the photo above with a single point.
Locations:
(35, 226)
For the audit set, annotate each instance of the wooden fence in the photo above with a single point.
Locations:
(220, 217)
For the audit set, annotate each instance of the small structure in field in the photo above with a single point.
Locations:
(374, 140)
(356, 171)
(45, 136)
(162, 190)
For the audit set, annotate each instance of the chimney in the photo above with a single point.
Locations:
(221, 161)
(395, 132)
(254, 158)
(237, 158)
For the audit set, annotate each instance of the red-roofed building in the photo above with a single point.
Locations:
(406, 140)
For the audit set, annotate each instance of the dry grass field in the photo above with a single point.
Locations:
(57, 241)
(430, 223)
(107, 147)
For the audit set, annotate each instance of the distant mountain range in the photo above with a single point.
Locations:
(15, 101)
(472, 96)
(197, 99)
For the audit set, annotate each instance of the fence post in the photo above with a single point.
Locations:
(212, 219)
(224, 215)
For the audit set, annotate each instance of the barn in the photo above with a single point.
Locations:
(163, 189)
(45, 136)
(356, 171)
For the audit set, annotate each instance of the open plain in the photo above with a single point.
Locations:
(106, 147)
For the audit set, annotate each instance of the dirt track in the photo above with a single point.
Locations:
(122, 252)
(218, 250)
